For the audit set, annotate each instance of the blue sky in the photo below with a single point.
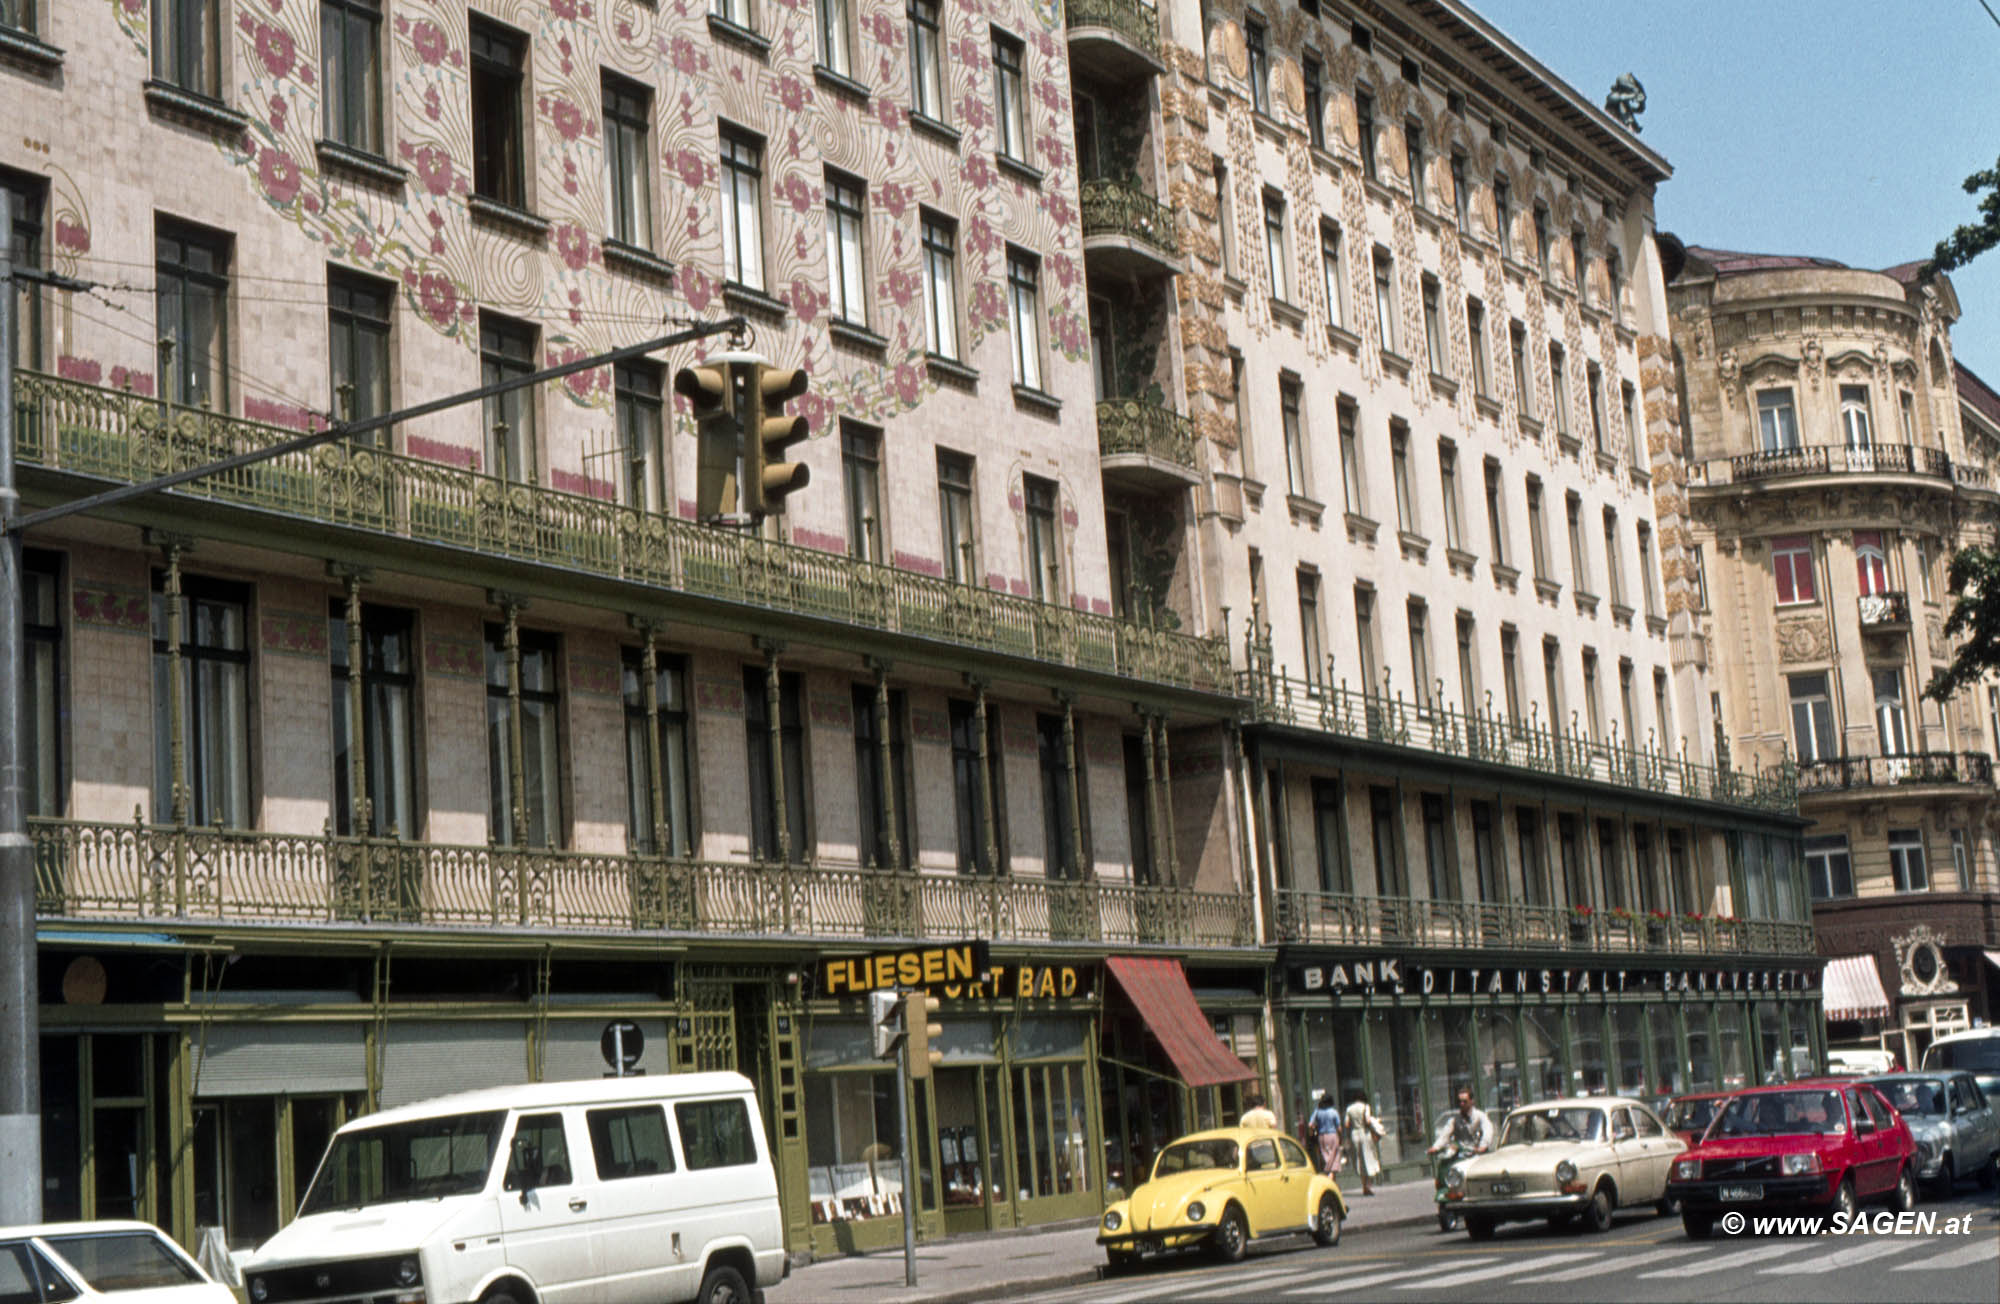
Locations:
(1842, 128)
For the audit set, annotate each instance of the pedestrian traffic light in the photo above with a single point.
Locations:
(712, 392)
(918, 1008)
(885, 1012)
(769, 432)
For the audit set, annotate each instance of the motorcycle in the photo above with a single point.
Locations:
(1447, 1215)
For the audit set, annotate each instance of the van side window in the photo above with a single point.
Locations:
(715, 1133)
(539, 1156)
(630, 1142)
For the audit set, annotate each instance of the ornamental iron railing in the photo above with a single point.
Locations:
(1120, 208)
(1840, 773)
(1135, 425)
(1137, 22)
(1827, 459)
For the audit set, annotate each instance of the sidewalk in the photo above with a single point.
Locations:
(978, 1267)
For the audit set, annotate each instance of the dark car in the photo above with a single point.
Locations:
(1689, 1116)
(1818, 1147)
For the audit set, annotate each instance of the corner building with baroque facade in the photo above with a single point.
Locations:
(415, 762)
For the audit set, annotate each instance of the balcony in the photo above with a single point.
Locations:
(1885, 613)
(1874, 773)
(1147, 445)
(1824, 459)
(1126, 231)
(1335, 919)
(101, 435)
(1114, 39)
(1492, 739)
(159, 874)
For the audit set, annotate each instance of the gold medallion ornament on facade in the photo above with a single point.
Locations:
(1235, 53)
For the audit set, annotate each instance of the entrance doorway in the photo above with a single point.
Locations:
(972, 1158)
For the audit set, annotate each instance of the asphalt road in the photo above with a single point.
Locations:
(1643, 1258)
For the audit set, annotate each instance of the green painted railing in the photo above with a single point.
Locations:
(139, 871)
(1136, 22)
(1134, 425)
(1494, 739)
(1119, 208)
(65, 425)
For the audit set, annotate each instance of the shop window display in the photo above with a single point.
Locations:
(1701, 1050)
(1394, 1087)
(1628, 1023)
(1503, 1060)
(1544, 1075)
(1588, 1076)
(1670, 1073)
(1729, 1045)
(1448, 1055)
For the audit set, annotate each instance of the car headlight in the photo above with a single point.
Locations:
(1197, 1211)
(259, 1290)
(1112, 1222)
(1800, 1165)
(1686, 1170)
(1565, 1171)
(407, 1272)
(1456, 1177)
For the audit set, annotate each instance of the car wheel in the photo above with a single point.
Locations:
(1597, 1214)
(500, 1295)
(1447, 1218)
(1558, 1221)
(1947, 1177)
(1479, 1229)
(1699, 1226)
(1844, 1203)
(1904, 1197)
(1989, 1172)
(723, 1285)
(1232, 1236)
(1667, 1205)
(1326, 1227)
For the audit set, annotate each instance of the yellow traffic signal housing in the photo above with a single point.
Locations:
(711, 390)
(918, 1029)
(769, 432)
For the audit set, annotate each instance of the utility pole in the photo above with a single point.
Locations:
(20, 1010)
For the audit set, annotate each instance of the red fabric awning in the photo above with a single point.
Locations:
(1852, 989)
(1159, 990)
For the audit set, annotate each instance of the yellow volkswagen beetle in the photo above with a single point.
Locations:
(1222, 1190)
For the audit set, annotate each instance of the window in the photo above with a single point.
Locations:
(1871, 561)
(1364, 121)
(941, 285)
(186, 44)
(1593, 702)
(1627, 709)
(630, 1141)
(1468, 664)
(539, 809)
(1311, 643)
(1854, 422)
(1297, 481)
(1399, 460)
(1611, 863)
(357, 354)
(388, 724)
(628, 116)
(846, 260)
(1663, 720)
(1384, 835)
(1045, 571)
(1552, 681)
(1777, 420)
(18, 15)
(1961, 860)
(1413, 152)
(1648, 582)
(350, 65)
(1503, 214)
(955, 517)
(1024, 310)
(1542, 240)
(1906, 403)
(1892, 724)
(876, 849)
(836, 37)
(1613, 279)
(1434, 337)
(665, 829)
(1331, 281)
(1614, 559)
(1510, 673)
(1454, 528)
(499, 74)
(926, 61)
(715, 1133)
(215, 702)
(968, 781)
(1461, 195)
(1538, 545)
(506, 351)
(1385, 300)
(1558, 390)
(1812, 719)
(1829, 870)
(30, 194)
(1517, 353)
(192, 278)
(743, 210)
(1594, 387)
(763, 792)
(1579, 560)
(1906, 860)
(1062, 786)
(1701, 579)
(1274, 246)
(1330, 836)
(1534, 875)
(861, 479)
(1579, 267)
(41, 688)
(734, 12)
(1351, 482)
(1486, 854)
(1635, 443)
(1475, 340)
(1496, 520)
(1438, 858)
(1239, 402)
(1364, 638)
(1224, 216)
(1309, 73)
(1010, 97)
(1420, 655)
(538, 1156)
(641, 416)
(1792, 567)
(1926, 581)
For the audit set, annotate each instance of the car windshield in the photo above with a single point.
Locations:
(419, 1160)
(1692, 1115)
(1979, 1054)
(114, 1261)
(1782, 1113)
(1914, 1095)
(1525, 1127)
(1186, 1156)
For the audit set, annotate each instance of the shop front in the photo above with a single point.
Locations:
(1405, 1031)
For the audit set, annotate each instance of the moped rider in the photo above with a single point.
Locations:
(1467, 1128)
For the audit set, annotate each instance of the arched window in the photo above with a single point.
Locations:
(1854, 422)
(1871, 562)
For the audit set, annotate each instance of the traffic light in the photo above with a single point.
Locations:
(884, 1021)
(769, 432)
(918, 1028)
(712, 391)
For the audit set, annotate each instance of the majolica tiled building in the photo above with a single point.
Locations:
(412, 764)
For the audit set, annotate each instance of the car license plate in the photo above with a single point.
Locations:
(1754, 1191)
(1506, 1188)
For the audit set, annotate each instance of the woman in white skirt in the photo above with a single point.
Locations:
(1363, 1131)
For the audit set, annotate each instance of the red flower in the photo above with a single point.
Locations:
(696, 288)
(363, 247)
(568, 119)
(796, 190)
(279, 175)
(574, 245)
(908, 384)
(681, 54)
(73, 236)
(889, 113)
(434, 169)
(429, 40)
(901, 287)
(893, 199)
(693, 171)
(792, 93)
(438, 297)
(978, 170)
(806, 301)
(274, 47)
(817, 409)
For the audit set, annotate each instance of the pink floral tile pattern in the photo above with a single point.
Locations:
(107, 606)
(292, 633)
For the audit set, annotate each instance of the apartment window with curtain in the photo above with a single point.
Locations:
(969, 792)
(1331, 281)
(1906, 860)
(1871, 561)
(1063, 825)
(1352, 483)
(187, 51)
(861, 483)
(191, 278)
(1044, 539)
(1906, 404)
(1461, 195)
(1024, 275)
(506, 351)
(1383, 809)
(1648, 580)
(1489, 871)
(1558, 389)
(1421, 685)
(1613, 280)
(1829, 868)
(736, 13)
(30, 195)
(1496, 518)
(1961, 859)
(1812, 718)
(1792, 568)
(1439, 866)
(869, 777)
(1297, 483)
(1475, 340)
(1517, 355)
(676, 815)
(1635, 438)
(940, 236)
(1312, 645)
(1385, 299)
(1510, 673)
(1258, 46)
(1538, 544)
(1224, 215)
(1534, 874)
(1407, 519)
(836, 37)
(1274, 247)
(1435, 343)
(1367, 665)
(628, 173)
(42, 687)
(1329, 836)
(214, 690)
(1856, 425)
(1552, 681)
(541, 738)
(1628, 710)
(18, 16)
(1593, 699)
(762, 791)
(1413, 150)
(641, 415)
(1614, 561)
(1611, 864)
(1364, 118)
(1010, 96)
(955, 519)
(1663, 719)
(1468, 664)
(846, 256)
(1542, 240)
(1579, 559)
(1594, 389)
(1777, 420)
(1503, 214)
(1310, 75)
(1454, 527)
(388, 719)
(499, 64)
(357, 329)
(350, 71)
(742, 193)
(926, 61)
(1579, 266)
(1892, 722)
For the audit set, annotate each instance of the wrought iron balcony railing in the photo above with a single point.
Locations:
(1496, 740)
(1135, 425)
(1842, 773)
(1886, 610)
(1826, 459)
(1330, 918)
(69, 426)
(139, 871)
(1133, 20)
(1119, 208)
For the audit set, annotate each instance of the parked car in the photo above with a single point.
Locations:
(1822, 1146)
(131, 1262)
(1977, 1052)
(613, 1190)
(1220, 1190)
(1860, 1061)
(1956, 1129)
(1562, 1160)
(1689, 1116)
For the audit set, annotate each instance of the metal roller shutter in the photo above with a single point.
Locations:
(435, 1057)
(575, 1049)
(271, 1059)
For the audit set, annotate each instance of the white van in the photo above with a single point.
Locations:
(622, 1189)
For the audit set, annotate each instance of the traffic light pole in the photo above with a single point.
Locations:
(904, 1086)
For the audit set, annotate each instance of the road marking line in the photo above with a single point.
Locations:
(1623, 1263)
(1982, 1250)
(1339, 1284)
(1762, 1254)
(1498, 1270)
(1841, 1258)
(1182, 1284)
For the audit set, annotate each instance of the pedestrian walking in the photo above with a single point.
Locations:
(1325, 1125)
(1257, 1114)
(1364, 1130)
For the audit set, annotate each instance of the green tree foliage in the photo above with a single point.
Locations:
(1973, 238)
(1974, 581)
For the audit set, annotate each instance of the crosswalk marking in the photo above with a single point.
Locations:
(1764, 1253)
(1981, 1250)
(1841, 1258)
(1333, 1285)
(1623, 1263)
(1498, 1270)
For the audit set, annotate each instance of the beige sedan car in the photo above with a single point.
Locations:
(1567, 1159)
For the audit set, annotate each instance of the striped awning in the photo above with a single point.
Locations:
(1158, 989)
(1852, 989)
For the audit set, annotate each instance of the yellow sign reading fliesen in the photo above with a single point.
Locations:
(918, 966)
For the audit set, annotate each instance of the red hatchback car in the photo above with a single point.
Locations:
(1821, 1147)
